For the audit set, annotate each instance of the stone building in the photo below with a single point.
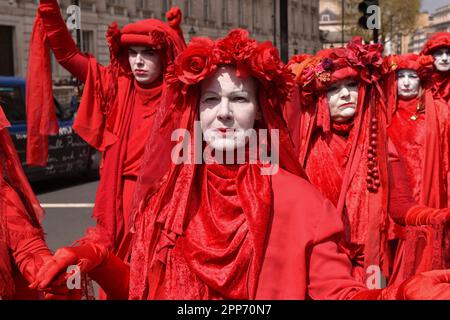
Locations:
(213, 18)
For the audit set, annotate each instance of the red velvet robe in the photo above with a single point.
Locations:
(301, 259)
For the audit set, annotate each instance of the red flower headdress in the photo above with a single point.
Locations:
(250, 58)
(423, 65)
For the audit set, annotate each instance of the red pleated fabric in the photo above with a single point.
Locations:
(41, 114)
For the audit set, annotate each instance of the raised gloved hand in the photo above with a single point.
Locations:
(431, 285)
(422, 215)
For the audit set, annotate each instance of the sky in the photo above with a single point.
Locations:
(432, 5)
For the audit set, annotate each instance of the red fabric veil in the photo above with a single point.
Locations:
(419, 128)
(192, 195)
(12, 173)
(106, 127)
(441, 83)
(348, 162)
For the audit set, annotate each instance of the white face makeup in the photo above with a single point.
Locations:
(145, 64)
(228, 108)
(442, 59)
(342, 99)
(408, 83)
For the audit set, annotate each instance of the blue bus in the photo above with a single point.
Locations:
(68, 154)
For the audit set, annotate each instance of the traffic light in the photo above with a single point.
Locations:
(371, 14)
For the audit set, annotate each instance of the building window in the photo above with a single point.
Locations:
(87, 42)
(166, 5)
(241, 8)
(6, 48)
(325, 18)
(255, 14)
(187, 8)
(225, 10)
(206, 10)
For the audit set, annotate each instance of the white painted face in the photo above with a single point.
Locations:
(145, 64)
(228, 108)
(442, 59)
(342, 99)
(408, 83)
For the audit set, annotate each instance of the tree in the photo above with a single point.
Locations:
(397, 17)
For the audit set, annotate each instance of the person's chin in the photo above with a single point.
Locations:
(408, 96)
(444, 68)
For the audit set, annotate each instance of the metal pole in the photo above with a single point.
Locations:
(274, 22)
(284, 30)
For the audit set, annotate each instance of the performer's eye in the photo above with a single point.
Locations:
(240, 99)
(210, 99)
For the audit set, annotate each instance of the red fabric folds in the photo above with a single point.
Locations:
(348, 163)
(186, 245)
(420, 132)
(41, 114)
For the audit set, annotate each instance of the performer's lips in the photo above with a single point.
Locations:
(347, 105)
(224, 131)
(140, 72)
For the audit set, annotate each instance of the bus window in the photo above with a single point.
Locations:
(12, 100)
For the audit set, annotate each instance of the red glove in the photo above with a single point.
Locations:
(105, 268)
(422, 215)
(432, 285)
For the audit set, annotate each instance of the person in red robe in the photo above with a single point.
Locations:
(118, 106)
(342, 141)
(419, 128)
(22, 246)
(245, 228)
(438, 46)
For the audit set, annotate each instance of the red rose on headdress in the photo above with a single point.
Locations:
(266, 65)
(196, 62)
(426, 69)
(236, 46)
(265, 62)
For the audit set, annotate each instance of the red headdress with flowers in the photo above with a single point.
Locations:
(168, 196)
(423, 65)
(348, 162)
(436, 41)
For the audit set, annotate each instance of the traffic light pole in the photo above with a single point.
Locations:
(375, 35)
(284, 30)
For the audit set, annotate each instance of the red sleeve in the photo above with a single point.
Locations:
(60, 40)
(26, 241)
(329, 268)
(400, 193)
(113, 276)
